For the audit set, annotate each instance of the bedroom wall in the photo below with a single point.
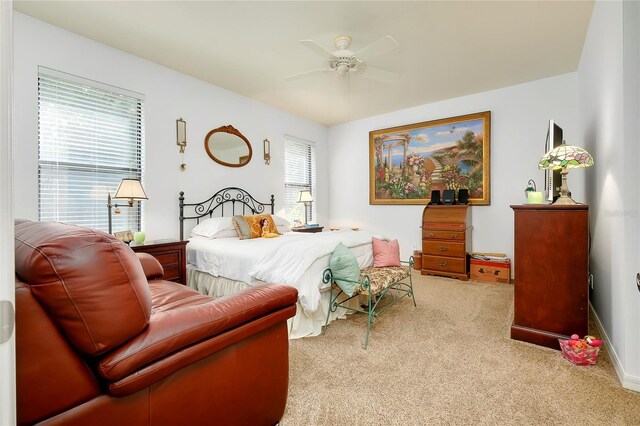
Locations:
(609, 114)
(169, 95)
(519, 122)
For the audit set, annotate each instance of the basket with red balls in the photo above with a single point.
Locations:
(581, 351)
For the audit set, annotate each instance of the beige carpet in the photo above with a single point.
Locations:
(448, 361)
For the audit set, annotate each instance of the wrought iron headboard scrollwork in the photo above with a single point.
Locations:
(218, 200)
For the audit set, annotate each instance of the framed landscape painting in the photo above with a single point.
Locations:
(407, 162)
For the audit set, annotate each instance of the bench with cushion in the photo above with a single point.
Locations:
(382, 287)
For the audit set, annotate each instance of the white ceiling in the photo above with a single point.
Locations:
(447, 48)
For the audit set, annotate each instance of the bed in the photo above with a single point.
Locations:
(220, 264)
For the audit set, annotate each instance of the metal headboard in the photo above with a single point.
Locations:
(218, 200)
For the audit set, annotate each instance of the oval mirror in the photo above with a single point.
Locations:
(227, 146)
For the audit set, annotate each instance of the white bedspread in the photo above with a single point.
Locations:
(290, 260)
(297, 259)
(230, 257)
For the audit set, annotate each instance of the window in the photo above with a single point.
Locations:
(299, 175)
(90, 136)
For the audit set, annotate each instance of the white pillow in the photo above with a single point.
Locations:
(215, 227)
(226, 233)
(281, 221)
(282, 229)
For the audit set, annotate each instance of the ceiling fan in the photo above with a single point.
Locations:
(344, 61)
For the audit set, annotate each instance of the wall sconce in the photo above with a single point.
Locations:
(130, 189)
(181, 134)
(266, 146)
(181, 139)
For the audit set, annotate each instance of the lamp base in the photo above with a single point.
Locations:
(564, 201)
(564, 198)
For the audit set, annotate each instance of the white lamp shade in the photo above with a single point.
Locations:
(130, 189)
(305, 197)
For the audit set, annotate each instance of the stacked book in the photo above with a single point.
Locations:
(493, 257)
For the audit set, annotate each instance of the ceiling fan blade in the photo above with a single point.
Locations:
(380, 75)
(384, 45)
(307, 73)
(315, 47)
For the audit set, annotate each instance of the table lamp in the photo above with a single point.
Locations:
(306, 198)
(565, 157)
(130, 189)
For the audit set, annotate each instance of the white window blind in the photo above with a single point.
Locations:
(299, 175)
(90, 136)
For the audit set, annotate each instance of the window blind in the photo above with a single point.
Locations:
(90, 136)
(299, 175)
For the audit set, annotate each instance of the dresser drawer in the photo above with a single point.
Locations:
(443, 248)
(445, 264)
(443, 234)
(171, 272)
(167, 257)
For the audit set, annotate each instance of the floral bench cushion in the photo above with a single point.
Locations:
(381, 278)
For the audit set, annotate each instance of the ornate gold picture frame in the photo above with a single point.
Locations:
(407, 162)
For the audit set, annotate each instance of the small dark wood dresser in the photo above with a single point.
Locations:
(172, 255)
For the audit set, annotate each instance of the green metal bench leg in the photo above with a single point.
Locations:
(370, 314)
(332, 300)
(411, 287)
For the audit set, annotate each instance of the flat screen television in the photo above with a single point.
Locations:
(552, 178)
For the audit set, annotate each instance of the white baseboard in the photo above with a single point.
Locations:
(627, 381)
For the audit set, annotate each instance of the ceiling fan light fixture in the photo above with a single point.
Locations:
(342, 42)
(344, 61)
(343, 68)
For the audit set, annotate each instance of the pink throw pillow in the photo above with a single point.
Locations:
(385, 253)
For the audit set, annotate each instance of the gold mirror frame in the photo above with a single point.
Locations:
(243, 160)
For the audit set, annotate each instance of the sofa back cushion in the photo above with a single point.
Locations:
(92, 285)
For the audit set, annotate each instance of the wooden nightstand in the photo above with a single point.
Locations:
(171, 254)
(311, 229)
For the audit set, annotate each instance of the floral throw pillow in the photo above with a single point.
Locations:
(248, 227)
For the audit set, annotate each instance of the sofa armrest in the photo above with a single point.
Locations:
(152, 268)
(188, 320)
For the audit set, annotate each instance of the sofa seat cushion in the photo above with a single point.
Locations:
(181, 317)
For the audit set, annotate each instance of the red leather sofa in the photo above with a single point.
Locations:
(99, 342)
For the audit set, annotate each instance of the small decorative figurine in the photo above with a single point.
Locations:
(531, 187)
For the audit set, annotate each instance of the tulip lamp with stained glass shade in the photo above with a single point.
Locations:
(563, 158)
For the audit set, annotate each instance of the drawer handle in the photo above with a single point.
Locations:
(454, 236)
(442, 263)
(442, 248)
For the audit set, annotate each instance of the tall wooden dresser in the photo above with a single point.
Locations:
(551, 260)
(446, 237)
